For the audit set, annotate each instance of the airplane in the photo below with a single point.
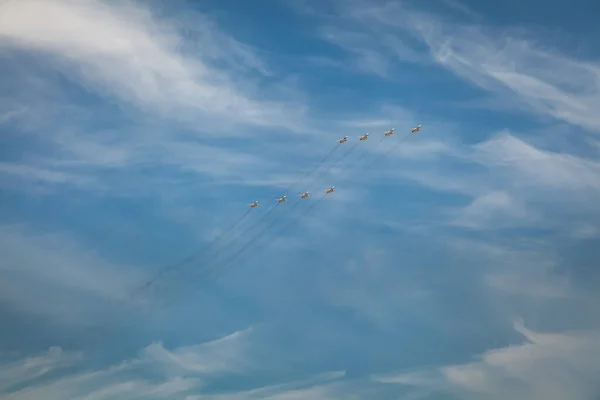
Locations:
(254, 205)
(304, 195)
(343, 140)
(364, 137)
(390, 132)
(330, 190)
(417, 129)
(281, 200)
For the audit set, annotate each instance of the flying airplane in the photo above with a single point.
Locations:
(364, 137)
(390, 132)
(281, 200)
(343, 140)
(417, 129)
(254, 205)
(330, 190)
(304, 195)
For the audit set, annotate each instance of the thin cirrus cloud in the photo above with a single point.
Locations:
(156, 373)
(510, 182)
(545, 366)
(546, 83)
(148, 68)
(539, 167)
(182, 371)
(58, 269)
(503, 62)
(171, 80)
(501, 181)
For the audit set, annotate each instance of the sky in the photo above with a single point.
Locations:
(456, 263)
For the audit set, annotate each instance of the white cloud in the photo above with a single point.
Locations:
(125, 51)
(516, 174)
(316, 387)
(372, 286)
(532, 186)
(547, 366)
(378, 57)
(178, 80)
(222, 355)
(504, 61)
(182, 371)
(155, 374)
(32, 173)
(22, 371)
(462, 8)
(585, 231)
(538, 167)
(166, 67)
(530, 281)
(10, 114)
(365, 59)
(511, 183)
(493, 210)
(63, 268)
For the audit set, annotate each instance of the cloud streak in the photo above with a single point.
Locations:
(503, 61)
(125, 51)
(184, 372)
(546, 366)
(175, 86)
(57, 269)
(130, 106)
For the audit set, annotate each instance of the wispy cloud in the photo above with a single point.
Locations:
(504, 61)
(140, 107)
(227, 354)
(315, 387)
(368, 59)
(10, 114)
(377, 54)
(361, 287)
(183, 82)
(546, 366)
(16, 373)
(183, 372)
(63, 268)
(126, 51)
(538, 167)
(528, 276)
(17, 175)
(532, 281)
(510, 182)
(491, 210)
(529, 175)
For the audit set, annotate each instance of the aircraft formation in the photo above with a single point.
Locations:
(230, 241)
(226, 248)
(332, 188)
(284, 198)
(210, 262)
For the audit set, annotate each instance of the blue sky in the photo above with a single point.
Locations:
(457, 264)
